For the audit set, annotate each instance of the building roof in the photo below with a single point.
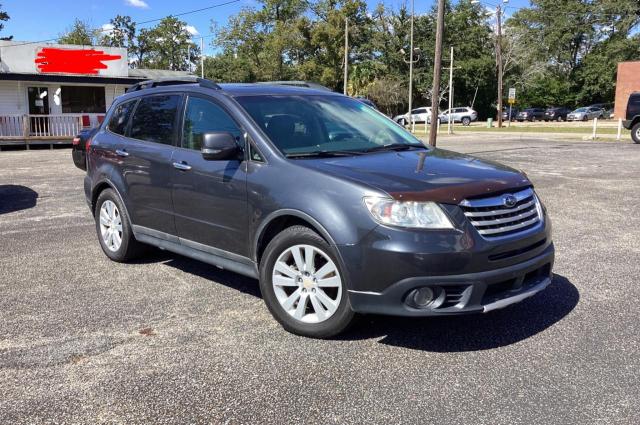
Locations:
(152, 74)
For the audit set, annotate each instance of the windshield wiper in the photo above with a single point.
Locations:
(323, 154)
(395, 147)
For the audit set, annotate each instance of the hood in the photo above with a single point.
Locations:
(424, 175)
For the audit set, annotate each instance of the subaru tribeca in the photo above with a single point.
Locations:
(334, 208)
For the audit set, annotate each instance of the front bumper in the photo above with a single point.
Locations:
(462, 294)
(472, 273)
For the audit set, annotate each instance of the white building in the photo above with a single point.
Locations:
(49, 91)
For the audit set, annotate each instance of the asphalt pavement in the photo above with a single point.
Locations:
(171, 340)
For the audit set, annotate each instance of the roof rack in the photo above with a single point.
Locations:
(307, 84)
(173, 81)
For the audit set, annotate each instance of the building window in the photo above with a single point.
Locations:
(83, 99)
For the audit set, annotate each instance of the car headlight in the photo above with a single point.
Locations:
(423, 215)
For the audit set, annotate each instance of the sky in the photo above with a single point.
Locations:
(35, 20)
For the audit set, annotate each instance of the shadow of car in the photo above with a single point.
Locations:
(16, 198)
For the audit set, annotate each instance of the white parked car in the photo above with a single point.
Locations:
(418, 115)
(464, 115)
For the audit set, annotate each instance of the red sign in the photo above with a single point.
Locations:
(88, 61)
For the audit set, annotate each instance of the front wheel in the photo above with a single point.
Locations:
(303, 285)
(635, 133)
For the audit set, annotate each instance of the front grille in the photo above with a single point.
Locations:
(493, 218)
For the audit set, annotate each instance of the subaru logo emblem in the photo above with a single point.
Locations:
(509, 201)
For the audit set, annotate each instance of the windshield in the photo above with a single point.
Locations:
(581, 110)
(299, 125)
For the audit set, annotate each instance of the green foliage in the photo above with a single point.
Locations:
(122, 33)
(169, 46)
(79, 33)
(562, 53)
(572, 49)
(4, 17)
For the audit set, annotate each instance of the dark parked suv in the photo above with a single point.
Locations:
(556, 114)
(332, 206)
(633, 116)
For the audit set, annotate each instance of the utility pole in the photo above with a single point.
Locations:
(202, 57)
(411, 68)
(499, 61)
(437, 69)
(450, 123)
(346, 54)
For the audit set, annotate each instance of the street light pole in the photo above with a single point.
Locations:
(450, 121)
(411, 68)
(346, 54)
(202, 57)
(437, 69)
(499, 62)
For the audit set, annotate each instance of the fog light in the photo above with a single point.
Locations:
(422, 297)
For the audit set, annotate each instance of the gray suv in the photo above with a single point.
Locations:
(333, 207)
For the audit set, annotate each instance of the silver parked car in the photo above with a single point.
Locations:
(464, 115)
(585, 114)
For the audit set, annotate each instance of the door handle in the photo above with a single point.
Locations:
(122, 152)
(181, 166)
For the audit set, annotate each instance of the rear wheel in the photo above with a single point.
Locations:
(303, 285)
(114, 228)
(635, 132)
(466, 121)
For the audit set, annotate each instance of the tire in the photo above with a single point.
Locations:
(283, 299)
(559, 119)
(534, 119)
(585, 118)
(120, 225)
(466, 121)
(635, 132)
(402, 122)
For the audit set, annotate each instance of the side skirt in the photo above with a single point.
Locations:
(217, 257)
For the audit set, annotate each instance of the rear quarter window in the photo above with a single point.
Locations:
(120, 117)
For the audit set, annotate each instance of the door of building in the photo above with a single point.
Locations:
(38, 105)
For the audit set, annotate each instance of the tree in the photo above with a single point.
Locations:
(168, 45)
(79, 33)
(228, 68)
(122, 33)
(141, 50)
(4, 17)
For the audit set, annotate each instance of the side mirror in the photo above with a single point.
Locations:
(219, 145)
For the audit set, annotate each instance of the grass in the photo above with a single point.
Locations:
(584, 130)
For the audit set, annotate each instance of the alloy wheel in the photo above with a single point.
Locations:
(110, 225)
(307, 283)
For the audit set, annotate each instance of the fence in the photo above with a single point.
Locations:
(40, 127)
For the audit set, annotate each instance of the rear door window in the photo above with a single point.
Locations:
(154, 119)
(120, 117)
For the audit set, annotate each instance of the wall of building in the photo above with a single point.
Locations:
(628, 82)
(12, 98)
(13, 95)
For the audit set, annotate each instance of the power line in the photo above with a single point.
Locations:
(136, 23)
